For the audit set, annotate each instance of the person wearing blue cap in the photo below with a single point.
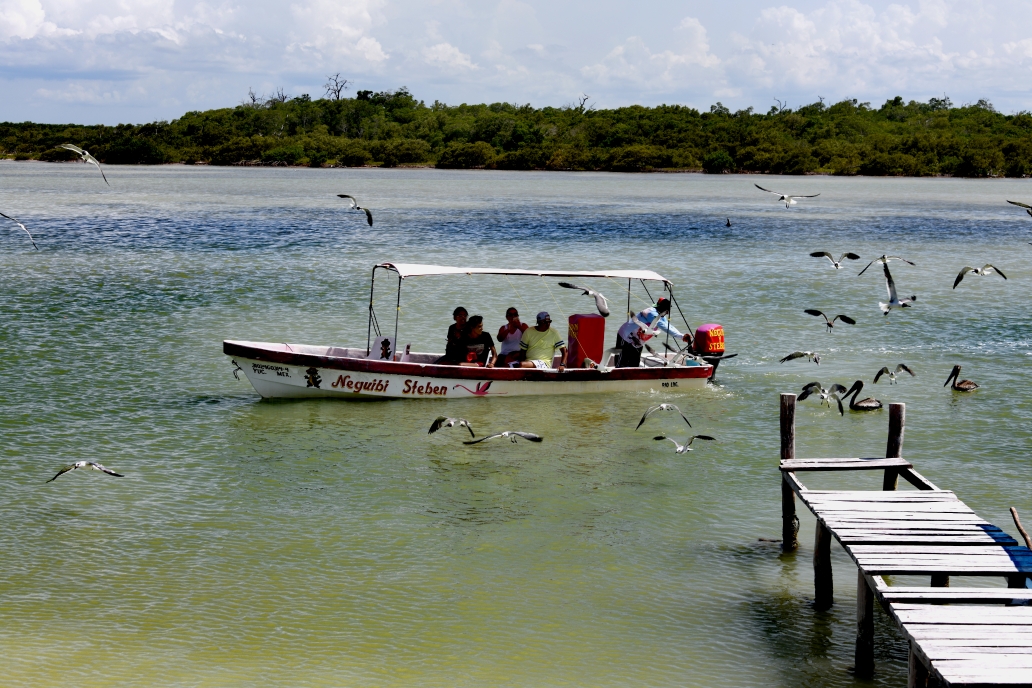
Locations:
(540, 343)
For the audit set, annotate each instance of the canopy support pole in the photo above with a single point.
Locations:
(397, 316)
(372, 314)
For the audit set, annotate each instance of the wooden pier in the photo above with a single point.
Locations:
(958, 636)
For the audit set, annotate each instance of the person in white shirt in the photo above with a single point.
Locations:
(509, 335)
(632, 335)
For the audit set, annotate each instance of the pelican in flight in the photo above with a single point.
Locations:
(884, 260)
(84, 464)
(789, 200)
(600, 301)
(662, 407)
(1028, 208)
(511, 434)
(901, 368)
(445, 422)
(986, 269)
(356, 206)
(825, 395)
(86, 157)
(894, 301)
(23, 229)
(837, 264)
(809, 355)
(959, 385)
(868, 404)
(830, 323)
(686, 447)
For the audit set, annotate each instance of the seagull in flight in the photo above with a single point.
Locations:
(511, 434)
(830, 323)
(356, 206)
(600, 301)
(901, 368)
(983, 271)
(687, 447)
(1028, 208)
(23, 229)
(825, 395)
(86, 157)
(884, 260)
(84, 464)
(662, 407)
(837, 264)
(809, 355)
(789, 200)
(894, 301)
(445, 422)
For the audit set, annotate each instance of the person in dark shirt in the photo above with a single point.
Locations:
(454, 352)
(479, 346)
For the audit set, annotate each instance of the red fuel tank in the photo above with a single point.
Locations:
(709, 340)
(586, 338)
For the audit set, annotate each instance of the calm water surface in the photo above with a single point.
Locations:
(319, 543)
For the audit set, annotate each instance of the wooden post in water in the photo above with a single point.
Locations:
(863, 655)
(917, 677)
(789, 520)
(894, 447)
(940, 580)
(823, 584)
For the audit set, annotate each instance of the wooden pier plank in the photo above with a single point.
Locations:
(849, 464)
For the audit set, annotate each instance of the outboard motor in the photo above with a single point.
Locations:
(709, 344)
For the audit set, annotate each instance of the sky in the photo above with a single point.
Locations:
(135, 61)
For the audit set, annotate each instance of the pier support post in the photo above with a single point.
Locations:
(823, 583)
(894, 446)
(864, 651)
(917, 677)
(940, 580)
(789, 520)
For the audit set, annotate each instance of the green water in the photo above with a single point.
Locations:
(319, 543)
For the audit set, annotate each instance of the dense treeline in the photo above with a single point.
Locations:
(393, 128)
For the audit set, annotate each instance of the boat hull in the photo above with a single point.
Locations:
(293, 371)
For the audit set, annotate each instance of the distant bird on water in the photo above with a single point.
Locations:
(894, 300)
(789, 200)
(600, 301)
(986, 269)
(87, 158)
(84, 464)
(829, 323)
(687, 446)
(961, 385)
(445, 422)
(809, 355)
(356, 206)
(728, 222)
(23, 229)
(837, 264)
(511, 434)
(901, 368)
(884, 260)
(662, 407)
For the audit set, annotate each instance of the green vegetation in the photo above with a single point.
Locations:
(393, 128)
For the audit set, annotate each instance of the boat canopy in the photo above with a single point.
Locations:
(419, 270)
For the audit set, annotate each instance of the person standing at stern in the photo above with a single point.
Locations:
(633, 334)
(540, 343)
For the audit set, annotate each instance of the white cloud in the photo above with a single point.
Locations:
(447, 55)
(342, 28)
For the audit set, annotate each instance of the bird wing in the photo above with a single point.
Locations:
(437, 425)
(569, 285)
(838, 401)
(93, 161)
(354, 201)
(103, 469)
(368, 216)
(464, 422)
(811, 386)
(822, 254)
(23, 229)
(1022, 205)
(851, 256)
(865, 269)
(664, 437)
(837, 389)
(63, 471)
(484, 439)
(908, 262)
(815, 312)
(648, 412)
(960, 275)
(905, 367)
(702, 437)
(794, 355)
(528, 436)
(987, 266)
(767, 190)
(889, 284)
(70, 147)
(601, 304)
(807, 392)
(810, 196)
(844, 318)
(884, 371)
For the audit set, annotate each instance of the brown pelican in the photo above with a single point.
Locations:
(868, 404)
(810, 356)
(445, 422)
(728, 222)
(687, 447)
(884, 260)
(662, 407)
(825, 395)
(830, 323)
(600, 301)
(789, 200)
(23, 229)
(959, 385)
(84, 464)
(901, 368)
(511, 434)
(986, 269)
(356, 206)
(894, 301)
(86, 157)
(837, 264)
